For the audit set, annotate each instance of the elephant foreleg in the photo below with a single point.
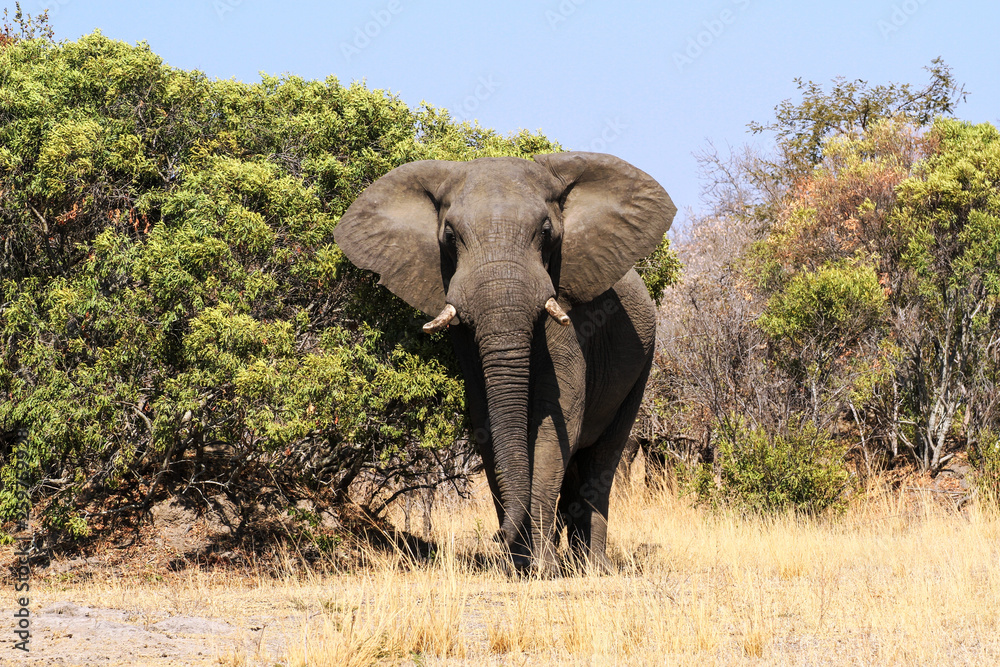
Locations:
(557, 409)
(552, 450)
(584, 505)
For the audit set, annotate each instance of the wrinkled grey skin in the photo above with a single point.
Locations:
(551, 405)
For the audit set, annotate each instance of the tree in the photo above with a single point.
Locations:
(917, 210)
(948, 222)
(24, 26)
(174, 313)
(851, 108)
(845, 279)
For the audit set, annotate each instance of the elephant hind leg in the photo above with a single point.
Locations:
(567, 498)
(586, 494)
(583, 506)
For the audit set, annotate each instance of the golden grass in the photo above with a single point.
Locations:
(891, 582)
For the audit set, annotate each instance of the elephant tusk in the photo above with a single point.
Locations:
(441, 321)
(557, 313)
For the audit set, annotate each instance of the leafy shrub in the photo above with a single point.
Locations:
(801, 470)
(173, 307)
(986, 459)
(662, 269)
(838, 303)
(172, 303)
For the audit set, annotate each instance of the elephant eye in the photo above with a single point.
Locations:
(547, 230)
(449, 236)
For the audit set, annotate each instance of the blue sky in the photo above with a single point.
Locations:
(649, 82)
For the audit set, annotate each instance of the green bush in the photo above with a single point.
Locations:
(662, 269)
(986, 460)
(801, 470)
(173, 308)
(836, 304)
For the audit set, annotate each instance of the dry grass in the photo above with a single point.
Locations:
(894, 581)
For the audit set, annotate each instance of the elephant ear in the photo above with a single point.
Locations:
(391, 229)
(613, 216)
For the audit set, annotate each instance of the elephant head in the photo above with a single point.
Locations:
(494, 243)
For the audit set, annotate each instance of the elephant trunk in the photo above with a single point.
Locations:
(500, 297)
(506, 360)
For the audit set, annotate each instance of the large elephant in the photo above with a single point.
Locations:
(490, 246)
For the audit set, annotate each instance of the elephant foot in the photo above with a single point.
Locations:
(600, 565)
(545, 569)
(525, 567)
(518, 557)
(522, 563)
(587, 562)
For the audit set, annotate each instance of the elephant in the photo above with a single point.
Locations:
(529, 266)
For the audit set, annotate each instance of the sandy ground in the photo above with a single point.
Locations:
(64, 633)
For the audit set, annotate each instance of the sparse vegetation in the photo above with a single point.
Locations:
(898, 579)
